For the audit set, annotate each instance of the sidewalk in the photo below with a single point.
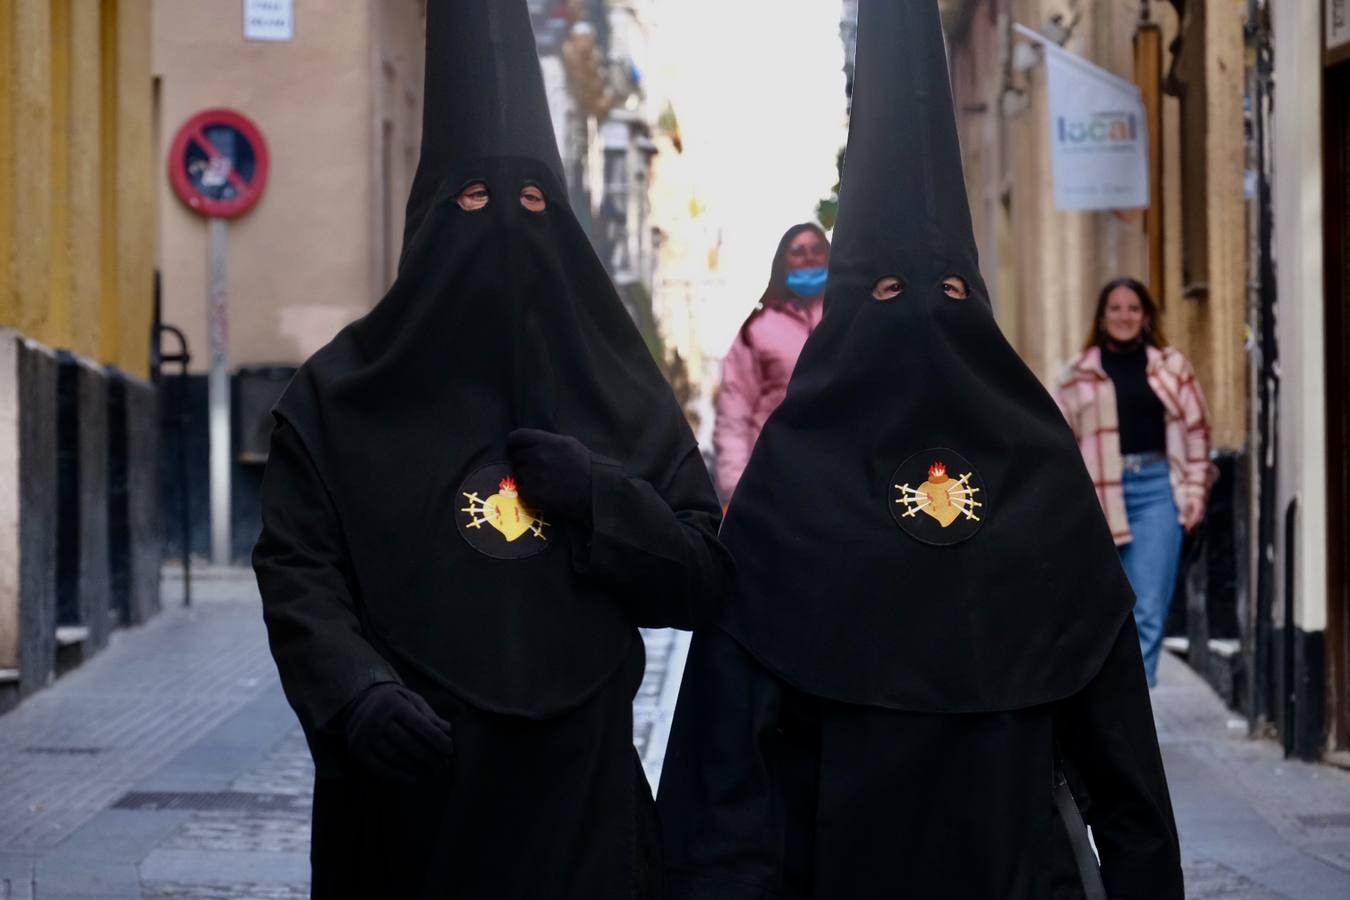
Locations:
(153, 766)
(170, 767)
(1254, 826)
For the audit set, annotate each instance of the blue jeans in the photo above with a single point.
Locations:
(1152, 558)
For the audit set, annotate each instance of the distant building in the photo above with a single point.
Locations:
(687, 278)
(592, 55)
(595, 56)
(848, 33)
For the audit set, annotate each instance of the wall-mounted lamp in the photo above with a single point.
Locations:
(1015, 102)
(1058, 30)
(1026, 56)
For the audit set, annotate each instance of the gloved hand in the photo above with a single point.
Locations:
(394, 734)
(553, 472)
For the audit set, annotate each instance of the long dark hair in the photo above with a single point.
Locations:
(1153, 330)
(777, 292)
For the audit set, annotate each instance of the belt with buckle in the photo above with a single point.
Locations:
(1137, 462)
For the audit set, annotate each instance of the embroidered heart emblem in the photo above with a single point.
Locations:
(938, 491)
(950, 493)
(506, 513)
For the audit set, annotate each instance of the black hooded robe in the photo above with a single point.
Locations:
(397, 546)
(768, 791)
(533, 808)
(929, 612)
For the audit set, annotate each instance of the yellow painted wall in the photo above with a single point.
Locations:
(30, 206)
(8, 295)
(84, 174)
(76, 197)
(106, 320)
(59, 311)
(135, 190)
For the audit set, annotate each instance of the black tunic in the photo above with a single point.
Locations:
(769, 792)
(398, 545)
(916, 528)
(532, 809)
(556, 807)
(928, 597)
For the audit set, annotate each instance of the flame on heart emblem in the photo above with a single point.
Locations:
(505, 512)
(944, 498)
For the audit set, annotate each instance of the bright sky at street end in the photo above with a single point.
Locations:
(758, 86)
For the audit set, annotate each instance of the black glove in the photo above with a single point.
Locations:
(394, 734)
(553, 472)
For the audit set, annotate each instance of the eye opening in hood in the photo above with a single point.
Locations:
(474, 195)
(888, 288)
(532, 197)
(955, 287)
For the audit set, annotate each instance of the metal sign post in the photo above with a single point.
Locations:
(218, 166)
(218, 394)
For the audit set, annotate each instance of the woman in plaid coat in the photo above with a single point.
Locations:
(1141, 421)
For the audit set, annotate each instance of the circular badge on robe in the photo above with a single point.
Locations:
(495, 520)
(937, 497)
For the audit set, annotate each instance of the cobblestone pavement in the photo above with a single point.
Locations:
(171, 767)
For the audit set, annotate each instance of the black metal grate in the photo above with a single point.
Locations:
(217, 801)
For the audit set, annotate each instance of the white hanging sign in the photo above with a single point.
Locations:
(269, 20)
(1338, 24)
(1098, 133)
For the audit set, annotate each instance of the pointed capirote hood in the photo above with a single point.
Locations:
(903, 198)
(916, 528)
(501, 317)
(484, 96)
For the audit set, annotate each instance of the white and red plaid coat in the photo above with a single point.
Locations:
(1087, 398)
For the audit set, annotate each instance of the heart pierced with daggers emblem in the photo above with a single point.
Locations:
(504, 512)
(950, 497)
(941, 496)
(501, 524)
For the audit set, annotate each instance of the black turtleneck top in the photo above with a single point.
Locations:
(1141, 414)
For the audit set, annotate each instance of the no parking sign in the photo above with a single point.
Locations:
(218, 164)
(218, 167)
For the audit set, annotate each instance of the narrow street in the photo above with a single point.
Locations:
(171, 767)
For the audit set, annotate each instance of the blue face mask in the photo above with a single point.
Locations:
(807, 284)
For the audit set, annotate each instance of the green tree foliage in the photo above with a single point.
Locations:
(827, 210)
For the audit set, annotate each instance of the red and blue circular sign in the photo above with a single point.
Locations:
(218, 164)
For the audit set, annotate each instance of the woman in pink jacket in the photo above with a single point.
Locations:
(1141, 422)
(755, 372)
